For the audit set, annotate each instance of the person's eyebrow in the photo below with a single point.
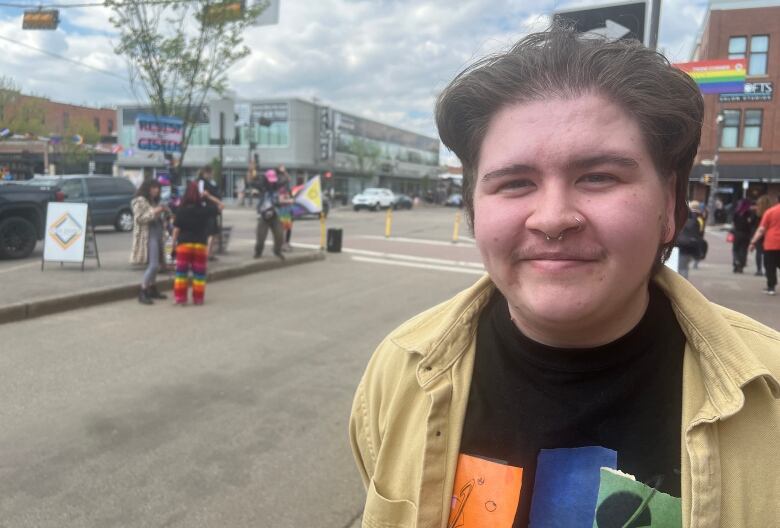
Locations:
(602, 159)
(516, 169)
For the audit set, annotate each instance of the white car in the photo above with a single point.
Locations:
(373, 198)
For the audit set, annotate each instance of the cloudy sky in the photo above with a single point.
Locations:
(383, 59)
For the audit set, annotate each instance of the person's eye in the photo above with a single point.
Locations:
(517, 185)
(598, 179)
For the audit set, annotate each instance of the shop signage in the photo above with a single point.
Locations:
(754, 91)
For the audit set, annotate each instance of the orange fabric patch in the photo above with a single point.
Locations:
(485, 494)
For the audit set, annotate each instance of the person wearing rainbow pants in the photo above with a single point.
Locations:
(191, 236)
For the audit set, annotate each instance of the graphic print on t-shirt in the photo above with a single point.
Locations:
(486, 493)
(573, 488)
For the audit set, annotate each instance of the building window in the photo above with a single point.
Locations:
(730, 132)
(737, 47)
(65, 122)
(96, 121)
(751, 132)
(110, 126)
(759, 48)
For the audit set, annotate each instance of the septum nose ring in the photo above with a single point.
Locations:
(579, 226)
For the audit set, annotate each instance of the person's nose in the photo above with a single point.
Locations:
(554, 213)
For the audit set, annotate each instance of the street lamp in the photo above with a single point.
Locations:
(714, 187)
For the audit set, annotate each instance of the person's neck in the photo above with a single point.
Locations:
(597, 330)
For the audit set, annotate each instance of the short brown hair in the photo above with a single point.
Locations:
(560, 63)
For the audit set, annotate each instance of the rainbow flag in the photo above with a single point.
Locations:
(717, 76)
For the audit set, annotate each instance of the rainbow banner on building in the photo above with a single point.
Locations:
(717, 76)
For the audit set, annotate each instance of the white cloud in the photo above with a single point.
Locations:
(384, 59)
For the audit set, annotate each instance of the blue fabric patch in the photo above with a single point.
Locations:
(566, 487)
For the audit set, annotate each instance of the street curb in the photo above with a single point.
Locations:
(73, 301)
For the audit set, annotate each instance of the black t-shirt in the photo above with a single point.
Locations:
(193, 224)
(625, 396)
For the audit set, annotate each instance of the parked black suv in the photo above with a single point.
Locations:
(22, 218)
(108, 196)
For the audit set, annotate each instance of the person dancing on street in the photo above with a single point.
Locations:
(148, 238)
(191, 228)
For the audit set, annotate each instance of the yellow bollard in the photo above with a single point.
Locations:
(455, 228)
(322, 231)
(389, 222)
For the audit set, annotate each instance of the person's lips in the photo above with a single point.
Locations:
(558, 259)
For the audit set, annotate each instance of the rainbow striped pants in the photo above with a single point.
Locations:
(190, 257)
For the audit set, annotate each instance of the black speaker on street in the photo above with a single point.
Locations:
(333, 240)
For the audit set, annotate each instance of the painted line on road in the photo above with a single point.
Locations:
(416, 240)
(419, 265)
(22, 266)
(400, 256)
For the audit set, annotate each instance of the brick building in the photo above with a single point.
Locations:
(58, 118)
(749, 131)
(23, 154)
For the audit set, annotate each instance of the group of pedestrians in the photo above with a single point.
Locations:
(755, 227)
(194, 223)
(767, 235)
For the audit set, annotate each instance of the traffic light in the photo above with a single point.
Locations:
(223, 12)
(41, 19)
(707, 179)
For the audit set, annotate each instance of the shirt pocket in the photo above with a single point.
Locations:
(385, 513)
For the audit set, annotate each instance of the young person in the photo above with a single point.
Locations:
(148, 238)
(191, 238)
(579, 349)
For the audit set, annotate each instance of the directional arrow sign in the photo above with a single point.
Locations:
(616, 21)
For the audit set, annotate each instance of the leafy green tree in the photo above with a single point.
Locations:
(179, 52)
(74, 154)
(25, 116)
(9, 92)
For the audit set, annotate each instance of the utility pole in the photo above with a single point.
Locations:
(714, 186)
(655, 21)
(221, 144)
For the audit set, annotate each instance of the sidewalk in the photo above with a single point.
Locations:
(26, 291)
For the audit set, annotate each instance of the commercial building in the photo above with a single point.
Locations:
(306, 137)
(743, 129)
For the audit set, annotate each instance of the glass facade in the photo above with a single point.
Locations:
(361, 137)
(270, 127)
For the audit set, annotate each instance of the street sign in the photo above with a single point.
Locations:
(614, 21)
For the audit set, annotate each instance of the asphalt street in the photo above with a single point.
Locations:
(234, 413)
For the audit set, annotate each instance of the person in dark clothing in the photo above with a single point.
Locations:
(690, 242)
(763, 204)
(745, 224)
(268, 214)
(212, 198)
(191, 236)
